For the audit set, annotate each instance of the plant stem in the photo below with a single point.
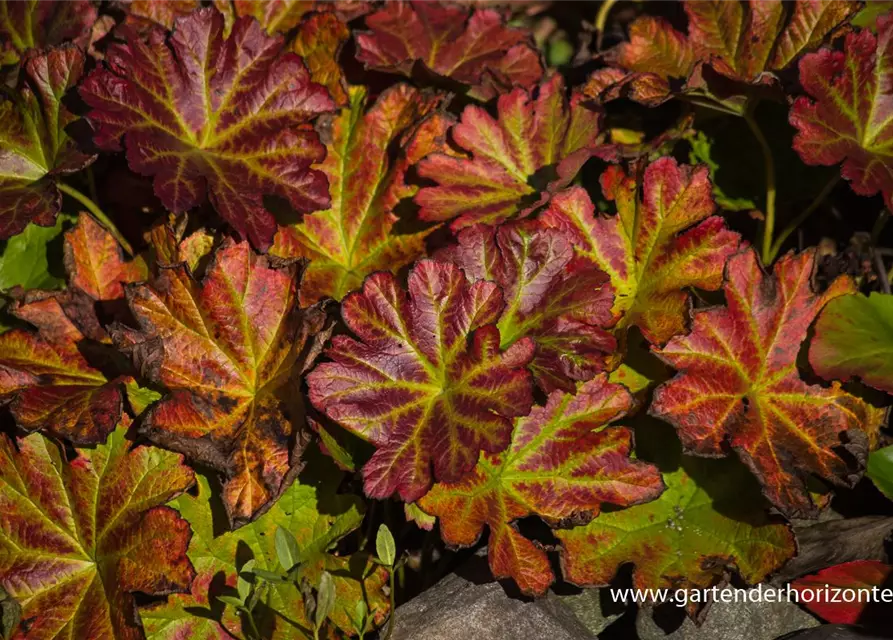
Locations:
(800, 219)
(98, 214)
(769, 165)
(393, 595)
(601, 19)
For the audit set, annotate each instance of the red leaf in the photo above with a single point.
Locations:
(40, 25)
(207, 114)
(738, 384)
(473, 47)
(426, 382)
(860, 580)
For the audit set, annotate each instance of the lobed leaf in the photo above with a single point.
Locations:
(738, 384)
(40, 24)
(229, 350)
(509, 160)
(36, 150)
(563, 463)
(209, 115)
(317, 517)
(356, 236)
(426, 382)
(562, 303)
(25, 258)
(663, 240)
(854, 338)
(143, 14)
(281, 16)
(861, 578)
(847, 116)
(79, 538)
(471, 46)
(319, 41)
(745, 42)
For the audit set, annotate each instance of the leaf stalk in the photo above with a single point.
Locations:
(97, 213)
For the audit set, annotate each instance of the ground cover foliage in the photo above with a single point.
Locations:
(303, 302)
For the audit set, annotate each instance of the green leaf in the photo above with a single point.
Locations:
(269, 576)
(287, 549)
(232, 601)
(25, 258)
(325, 598)
(140, 397)
(385, 546)
(880, 470)
(10, 614)
(243, 586)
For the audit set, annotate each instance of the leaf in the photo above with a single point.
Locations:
(37, 150)
(45, 376)
(10, 615)
(385, 547)
(562, 303)
(709, 521)
(142, 15)
(880, 470)
(702, 153)
(534, 137)
(563, 463)
(281, 16)
(319, 41)
(426, 382)
(663, 240)
(229, 350)
(854, 338)
(95, 262)
(287, 550)
(79, 538)
(743, 41)
(470, 46)
(356, 236)
(325, 598)
(318, 517)
(738, 385)
(204, 114)
(847, 116)
(25, 258)
(864, 577)
(33, 24)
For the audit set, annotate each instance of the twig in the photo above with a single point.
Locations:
(769, 165)
(801, 218)
(881, 272)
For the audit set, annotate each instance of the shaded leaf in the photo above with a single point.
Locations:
(738, 384)
(471, 46)
(509, 158)
(312, 511)
(562, 303)
(356, 236)
(25, 258)
(229, 350)
(426, 382)
(848, 116)
(78, 538)
(863, 577)
(880, 470)
(208, 115)
(663, 240)
(39, 24)
(563, 463)
(36, 149)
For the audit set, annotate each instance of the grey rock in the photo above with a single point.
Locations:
(733, 621)
(835, 632)
(469, 605)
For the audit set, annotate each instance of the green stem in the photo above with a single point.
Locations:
(393, 604)
(800, 219)
(97, 213)
(879, 225)
(709, 103)
(601, 19)
(769, 165)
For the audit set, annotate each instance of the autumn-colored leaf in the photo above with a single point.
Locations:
(743, 41)
(229, 350)
(563, 463)
(46, 377)
(281, 16)
(738, 384)
(356, 236)
(39, 24)
(319, 41)
(663, 240)
(95, 262)
(426, 382)
(171, 245)
(317, 516)
(848, 116)
(79, 538)
(143, 14)
(471, 46)
(861, 579)
(854, 338)
(562, 303)
(36, 151)
(532, 139)
(709, 521)
(208, 115)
